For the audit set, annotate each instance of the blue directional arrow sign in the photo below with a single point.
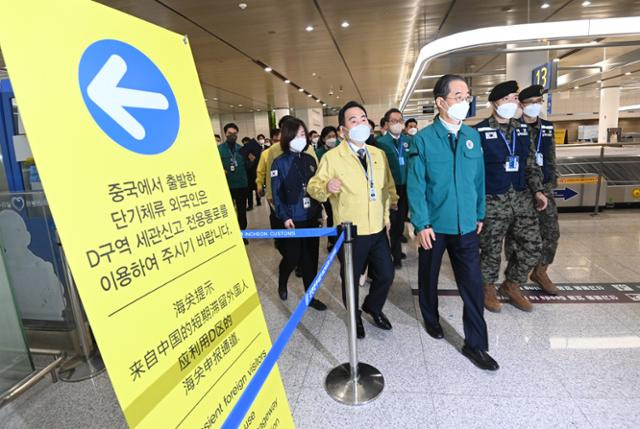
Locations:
(565, 194)
(128, 97)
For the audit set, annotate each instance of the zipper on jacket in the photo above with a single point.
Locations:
(454, 148)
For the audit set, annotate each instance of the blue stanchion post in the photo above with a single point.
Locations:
(237, 414)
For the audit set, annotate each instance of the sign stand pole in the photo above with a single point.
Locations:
(353, 383)
(88, 363)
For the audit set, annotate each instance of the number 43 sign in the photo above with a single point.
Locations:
(545, 75)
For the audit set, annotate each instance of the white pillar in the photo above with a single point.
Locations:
(609, 105)
(312, 118)
(261, 122)
(280, 112)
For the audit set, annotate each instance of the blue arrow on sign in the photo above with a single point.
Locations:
(565, 194)
(128, 97)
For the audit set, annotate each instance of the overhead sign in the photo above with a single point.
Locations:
(123, 143)
(545, 75)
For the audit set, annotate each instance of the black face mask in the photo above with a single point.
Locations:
(231, 138)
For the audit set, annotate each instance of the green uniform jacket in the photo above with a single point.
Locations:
(238, 178)
(395, 153)
(321, 151)
(446, 188)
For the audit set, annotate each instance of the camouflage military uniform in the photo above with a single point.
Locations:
(512, 215)
(548, 219)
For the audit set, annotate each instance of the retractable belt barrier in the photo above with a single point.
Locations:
(290, 233)
(351, 380)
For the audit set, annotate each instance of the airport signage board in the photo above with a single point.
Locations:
(545, 75)
(124, 147)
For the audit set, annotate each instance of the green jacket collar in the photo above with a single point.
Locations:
(443, 132)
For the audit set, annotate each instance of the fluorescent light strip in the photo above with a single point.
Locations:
(517, 33)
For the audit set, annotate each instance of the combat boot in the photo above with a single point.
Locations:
(539, 275)
(512, 290)
(491, 301)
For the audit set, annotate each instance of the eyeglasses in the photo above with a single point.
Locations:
(396, 121)
(460, 98)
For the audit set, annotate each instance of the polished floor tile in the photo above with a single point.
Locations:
(562, 365)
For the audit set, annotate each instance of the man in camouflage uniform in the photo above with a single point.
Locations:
(511, 176)
(544, 148)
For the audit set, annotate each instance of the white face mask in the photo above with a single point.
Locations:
(507, 110)
(396, 128)
(459, 111)
(331, 142)
(298, 144)
(360, 133)
(412, 131)
(532, 110)
(261, 141)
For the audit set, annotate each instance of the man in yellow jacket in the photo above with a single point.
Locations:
(357, 181)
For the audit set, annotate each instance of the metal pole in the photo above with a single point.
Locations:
(351, 301)
(32, 379)
(89, 363)
(600, 168)
(353, 383)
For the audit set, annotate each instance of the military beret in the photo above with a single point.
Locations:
(503, 89)
(531, 92)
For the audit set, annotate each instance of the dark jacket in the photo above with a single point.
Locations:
(498, 181)
(290, 174)
(232, 159)
(252, 148)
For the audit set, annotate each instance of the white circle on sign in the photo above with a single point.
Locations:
(469, 144)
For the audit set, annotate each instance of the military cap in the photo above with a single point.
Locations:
(531, 92)
(503, 89)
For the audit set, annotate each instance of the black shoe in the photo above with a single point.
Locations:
(318, 305)
(403, 256)
(258, 204)
(397, 264)
(404, 239)
(359, 326)
(249, 208)
(435, 331)
(480, 358)
(379, 319)
(282, 291)
(245, 241)
(298, 272)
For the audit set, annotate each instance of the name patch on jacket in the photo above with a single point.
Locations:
(491, 135)
(274, 173)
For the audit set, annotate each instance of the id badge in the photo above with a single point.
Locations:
(401, 160)
(539, 159)
(232, 168)
(512, 164)
(306, 202)
(372, 194)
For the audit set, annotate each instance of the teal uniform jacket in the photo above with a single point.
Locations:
(446, 187)
(321, 151)
(237, 178)
(397, 157)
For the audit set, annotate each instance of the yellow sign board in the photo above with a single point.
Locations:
(560, 135)
(577, 180)
(123, 143)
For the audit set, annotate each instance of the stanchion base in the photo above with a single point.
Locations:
(80, 369)
(343, 389)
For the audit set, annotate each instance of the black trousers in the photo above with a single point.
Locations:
(464, 253)
(397, 218)
(251, 177)
(374, 250)
(239, 196)
(275, 223)
(329, 211)
(299, 252)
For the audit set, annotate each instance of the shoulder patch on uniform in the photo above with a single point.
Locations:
(485, 129)
(274, 173)
(547, 127)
